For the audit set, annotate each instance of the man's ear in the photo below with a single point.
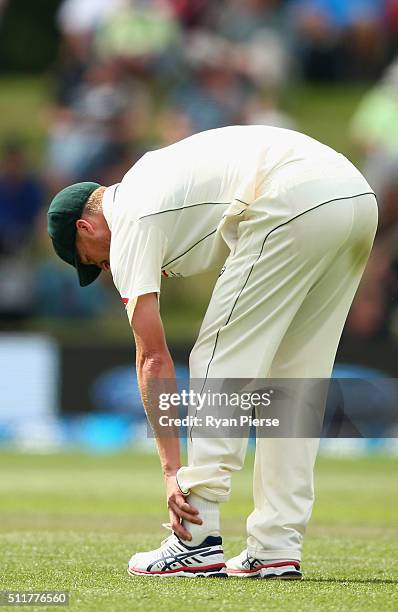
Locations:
(84, 226)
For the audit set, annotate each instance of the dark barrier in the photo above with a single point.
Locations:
(102, 377)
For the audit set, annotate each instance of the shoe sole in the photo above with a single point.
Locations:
(267, 573)
(215, 572)
(283, 577)
(254, 575)
(242, 574)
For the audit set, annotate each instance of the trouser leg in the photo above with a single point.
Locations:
(254, 303)
(283, 473)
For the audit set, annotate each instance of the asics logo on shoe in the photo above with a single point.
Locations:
(246, 566)
(175, 558)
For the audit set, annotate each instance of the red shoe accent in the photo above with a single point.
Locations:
(281, 564)
(216, 566)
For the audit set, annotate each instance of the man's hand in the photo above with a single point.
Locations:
(179, 509)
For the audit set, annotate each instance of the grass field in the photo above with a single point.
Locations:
(71, 521)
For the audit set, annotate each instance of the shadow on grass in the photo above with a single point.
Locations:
(305, 580)
(351, 580)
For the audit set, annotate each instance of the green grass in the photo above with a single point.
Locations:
(71, 521)
(325, 113)
(23, 111)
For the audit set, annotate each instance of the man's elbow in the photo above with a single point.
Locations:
(153, 364)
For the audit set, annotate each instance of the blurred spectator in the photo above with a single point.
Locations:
(256, 31)
(190, 12)
(136, 74)
(392, 22)
(16, 290)
(375, 130)
(144, 34)
(57, 293)
(55, 290)
(88, 135)
(339, 39)
(213, 99)
(371, 312)
(78, 20)
(240, 21)
(69, 72)
(266, 59)
(265, 111)
(172, 125)
(21, 197)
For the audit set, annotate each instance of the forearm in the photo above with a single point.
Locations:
(156, 375)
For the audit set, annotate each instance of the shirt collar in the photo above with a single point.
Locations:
(108, 202)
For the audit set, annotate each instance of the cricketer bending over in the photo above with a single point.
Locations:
(298, 221)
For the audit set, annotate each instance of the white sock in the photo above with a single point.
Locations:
(209, 512)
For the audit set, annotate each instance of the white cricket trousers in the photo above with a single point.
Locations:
(278, 311)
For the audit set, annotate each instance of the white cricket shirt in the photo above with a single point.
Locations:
(169, 215)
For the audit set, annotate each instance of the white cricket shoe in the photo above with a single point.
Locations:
(175, 558)
(245, 566)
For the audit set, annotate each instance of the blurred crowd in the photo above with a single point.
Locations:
(132, 75)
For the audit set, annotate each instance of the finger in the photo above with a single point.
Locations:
(184, 505)
(185, 515)
(179, 529)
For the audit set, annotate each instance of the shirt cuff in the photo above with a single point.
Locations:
(130, 306)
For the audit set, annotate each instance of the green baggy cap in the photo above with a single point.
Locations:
(65, 209)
